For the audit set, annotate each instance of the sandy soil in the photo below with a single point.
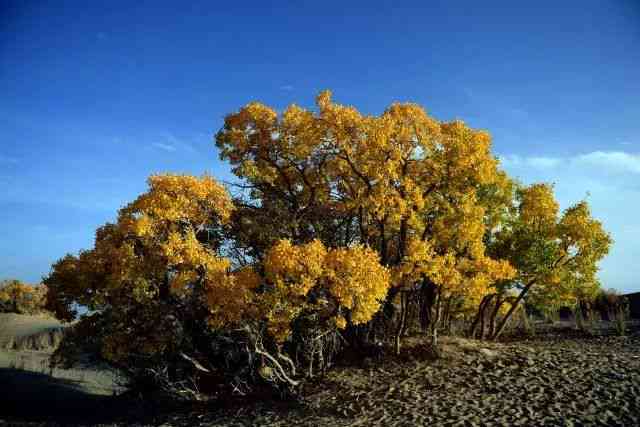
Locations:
(560, 378)
(554, 380)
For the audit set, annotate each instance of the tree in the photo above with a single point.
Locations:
(21, 298)
(344, 227)
(556, 255)
(401, 183)
(312, 293)
(151, 275)
(161, 292)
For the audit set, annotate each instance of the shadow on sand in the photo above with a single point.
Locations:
(35, 397)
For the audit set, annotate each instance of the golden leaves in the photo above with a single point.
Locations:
(538, 205)
(295, 268)
(559, 254)
(352, 278)
(177, 198)
(403, 170)
(357, 281)
(163, 244)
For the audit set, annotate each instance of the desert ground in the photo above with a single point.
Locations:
(558, 377)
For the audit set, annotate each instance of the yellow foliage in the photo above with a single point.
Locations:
(556, 255)
(538, 205)
(19, 297)
(357, 281)
(352, 278)
(423, 194)
(164, 245)
(295, 268)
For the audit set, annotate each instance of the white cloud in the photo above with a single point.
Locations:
(287, 88)
(168, 142)
(180, 143)
(614, 161)
(544, 162)
(600, 161)
(535, 162)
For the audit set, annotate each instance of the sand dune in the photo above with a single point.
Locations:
(26, 345)
(24, 332)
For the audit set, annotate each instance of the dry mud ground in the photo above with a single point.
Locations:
(558, 378)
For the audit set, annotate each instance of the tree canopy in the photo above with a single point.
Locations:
(343, 227)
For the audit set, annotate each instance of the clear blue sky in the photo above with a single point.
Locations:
(95, 96)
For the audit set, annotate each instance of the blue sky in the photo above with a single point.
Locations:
(95, 96)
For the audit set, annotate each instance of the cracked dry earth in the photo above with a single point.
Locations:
(555, 381)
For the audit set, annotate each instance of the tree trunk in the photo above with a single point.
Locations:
(427, 299)
(473, 331)
(401, 321)
(507, 316)
(481, 334)
(494, 314)
(446, 316)
(388, 309)
(435, 323)
(384, 258)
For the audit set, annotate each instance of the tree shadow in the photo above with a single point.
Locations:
(36, 397)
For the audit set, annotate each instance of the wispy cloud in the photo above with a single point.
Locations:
(166, 147)
(8, 160)
(170, 143)
(182, 144)
(287, 88)
(595, 161)
(173, 144)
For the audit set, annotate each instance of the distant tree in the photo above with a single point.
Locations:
(21, 298)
